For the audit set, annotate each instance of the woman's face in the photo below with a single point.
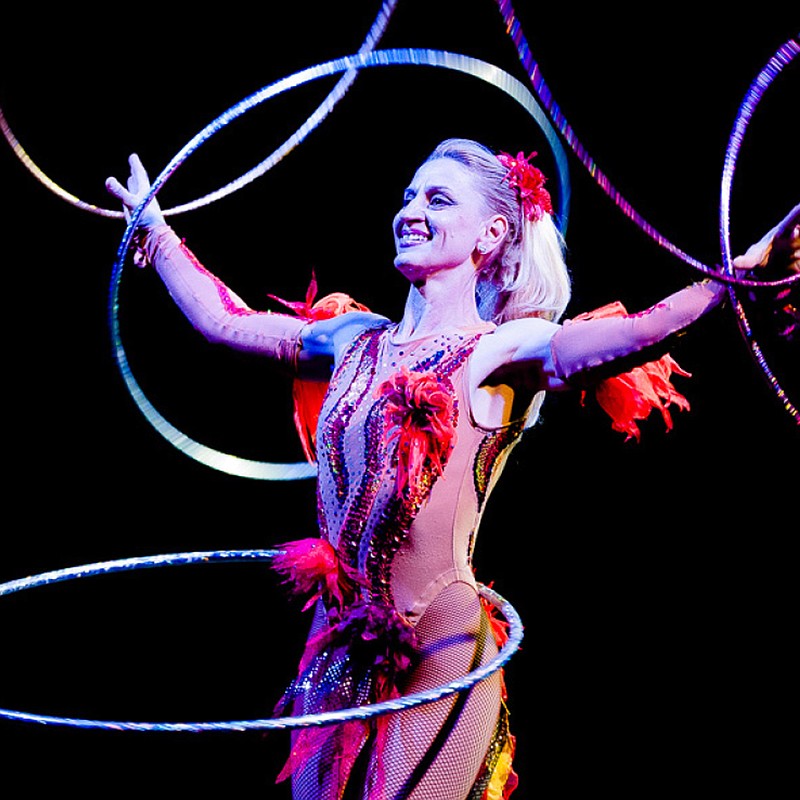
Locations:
(442, 218)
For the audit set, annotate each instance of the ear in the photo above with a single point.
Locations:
(494, 232)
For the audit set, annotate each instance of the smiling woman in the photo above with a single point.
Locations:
(657, 626)
(415, 426)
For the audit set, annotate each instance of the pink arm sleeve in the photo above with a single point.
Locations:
(590, 346)
(213, 309)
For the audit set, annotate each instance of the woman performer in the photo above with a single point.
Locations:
(418, 419)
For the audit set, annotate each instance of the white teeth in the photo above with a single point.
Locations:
(414, 237)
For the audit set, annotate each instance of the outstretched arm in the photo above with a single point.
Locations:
(596, 345)
(209, 305)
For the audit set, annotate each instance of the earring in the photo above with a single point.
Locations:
(482, 248)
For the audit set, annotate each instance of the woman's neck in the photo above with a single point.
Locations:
(439, 306)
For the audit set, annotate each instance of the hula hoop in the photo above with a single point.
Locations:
(753, 97)
(723, 274)
(514, 29)
(314, 119)
(280, 723)
(264, 470)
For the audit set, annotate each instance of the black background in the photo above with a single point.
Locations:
(655, 580)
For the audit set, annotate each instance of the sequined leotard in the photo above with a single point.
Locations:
(411, 545)
(404, 475)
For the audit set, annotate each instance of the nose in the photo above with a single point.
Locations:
(412, 211)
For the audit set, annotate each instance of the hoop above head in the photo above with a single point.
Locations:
(264, 470)
(280, 723)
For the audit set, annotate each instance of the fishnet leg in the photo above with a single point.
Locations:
(453, 733)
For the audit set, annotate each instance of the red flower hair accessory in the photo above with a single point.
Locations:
(529, 182)
(419, 414)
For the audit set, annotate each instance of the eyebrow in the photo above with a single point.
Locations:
(433, 189)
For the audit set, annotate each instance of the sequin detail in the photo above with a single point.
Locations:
(397, 540)
(231, 307)
(371, 357)
(491, 454)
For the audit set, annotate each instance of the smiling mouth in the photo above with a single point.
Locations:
(409, 239)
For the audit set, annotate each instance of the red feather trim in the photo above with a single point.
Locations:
(419, 414)
(633, 395)
(499, 627)
(307, 394)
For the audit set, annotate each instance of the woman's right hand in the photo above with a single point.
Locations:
(130, 197)
(778, 249)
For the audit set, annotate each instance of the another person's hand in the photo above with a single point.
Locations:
(137, 188)
(779, 249)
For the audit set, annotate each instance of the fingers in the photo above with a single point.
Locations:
(793, 238)
(778, 249)
(134, 192)
(137, 185)
(745, 262)
(138, 182)
(755, 255)
(785, 251)
(789, 226)
(114, 187)
(137, 167)
(791, 230)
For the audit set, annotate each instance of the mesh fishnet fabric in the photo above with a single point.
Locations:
(437, 751)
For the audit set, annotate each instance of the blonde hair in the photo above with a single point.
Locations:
(527, 275)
